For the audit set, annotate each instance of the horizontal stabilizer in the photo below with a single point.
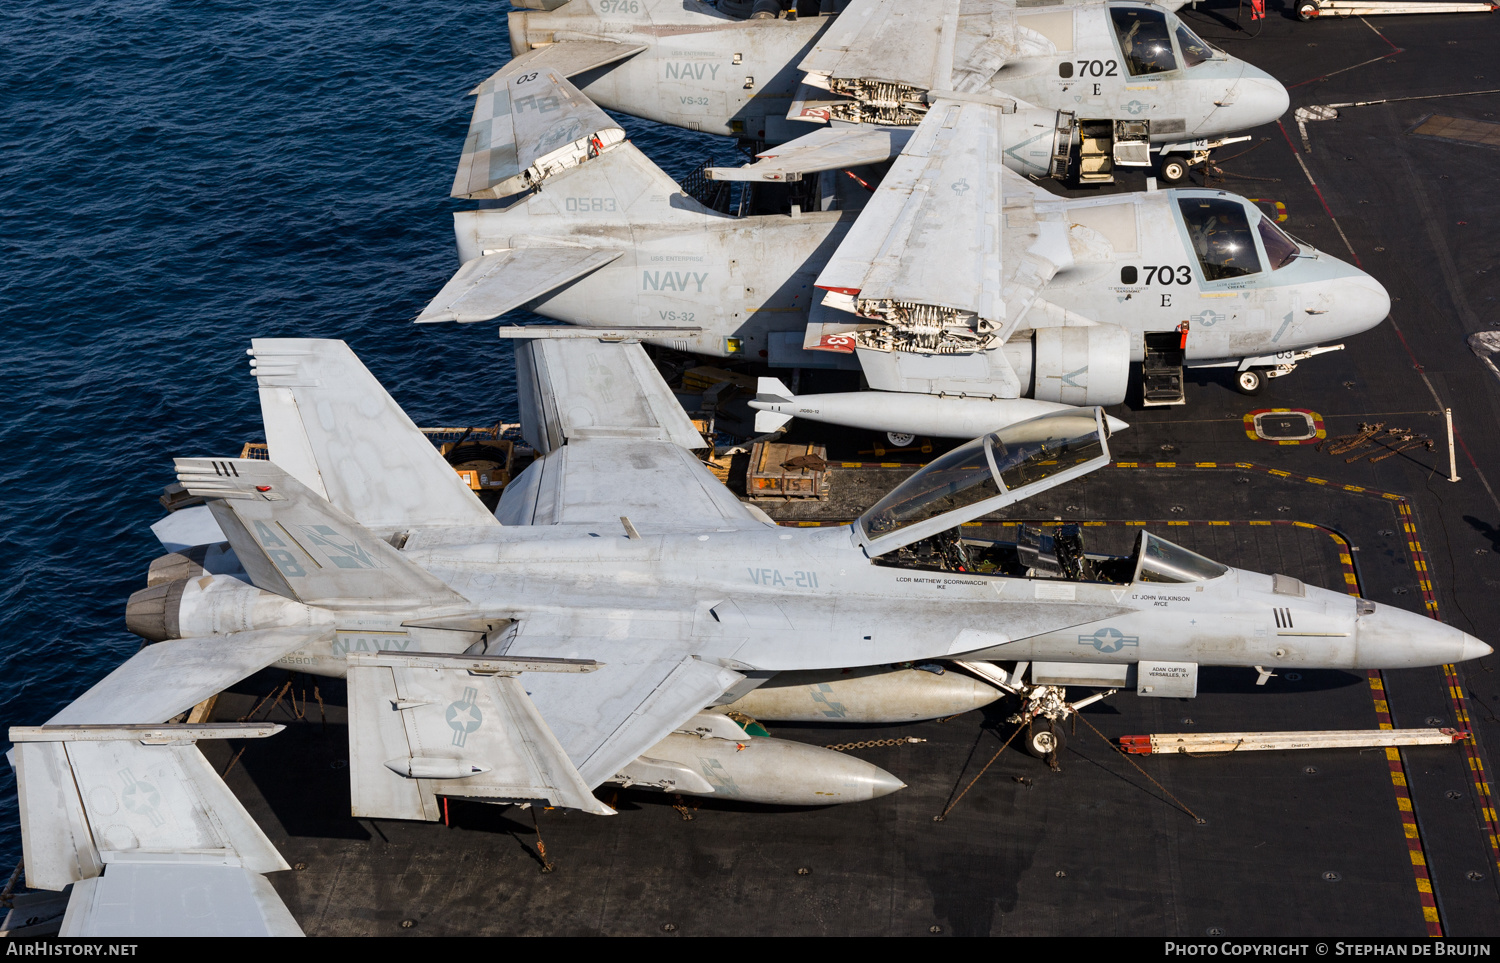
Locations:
(831, 148)
(424, 725)
(332, 426)
(578, 388)
(529, 124)
(187, 528)
(91, 799)
(169, 678)
(492, 284)
(176, 899)
(294, 543)
(569, 58)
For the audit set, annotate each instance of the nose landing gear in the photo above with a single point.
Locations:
(1044, 708)
(1250, 381)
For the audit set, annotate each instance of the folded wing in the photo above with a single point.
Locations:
(614, 441)
(884, 41)
(152, 841)
(646, 687)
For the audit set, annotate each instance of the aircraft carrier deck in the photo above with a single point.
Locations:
(1308, 843)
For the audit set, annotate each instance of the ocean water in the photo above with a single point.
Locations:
(177, 177)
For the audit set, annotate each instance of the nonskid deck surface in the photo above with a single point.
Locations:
(1293, 843)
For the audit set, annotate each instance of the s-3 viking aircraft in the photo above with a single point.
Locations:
(1113, 78)
(577, 636)
(992, 300)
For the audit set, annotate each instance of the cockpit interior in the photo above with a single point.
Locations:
(1059, 555)
(1222, 238)
(1145, 35)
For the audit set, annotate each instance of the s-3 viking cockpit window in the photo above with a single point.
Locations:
(1002, 461)
(1158, 560)
(1220, 233)
(1194, 51)
(1280, 249)
(1144, 40)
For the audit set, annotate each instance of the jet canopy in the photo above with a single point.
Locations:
(1158, 560)
(986, 474)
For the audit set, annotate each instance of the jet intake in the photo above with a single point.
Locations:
(1079, 365)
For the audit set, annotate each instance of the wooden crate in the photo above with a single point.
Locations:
(770, 477)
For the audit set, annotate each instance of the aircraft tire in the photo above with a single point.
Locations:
(1250, 381)
(899, 439)
(1306, 10)
(1043, 738)
(1174, 170)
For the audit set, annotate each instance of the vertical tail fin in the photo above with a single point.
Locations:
(333, 427)
(529, 123)
(532, 126)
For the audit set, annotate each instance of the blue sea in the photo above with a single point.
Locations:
(178, 177)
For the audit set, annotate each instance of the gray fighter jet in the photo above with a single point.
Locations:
(1115, 77)
(1056, 298)
(577, 636)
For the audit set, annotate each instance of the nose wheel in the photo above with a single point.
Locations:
(1044, 738)
(1250, 381)
(1174, 170)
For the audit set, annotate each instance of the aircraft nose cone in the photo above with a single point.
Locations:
(1254, 99)
(1359, 305)
(1115, 424)
(1261, 98)
(1392, 638)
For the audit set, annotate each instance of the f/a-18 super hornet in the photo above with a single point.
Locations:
(597, 627)
(1106, 80)
(1002, 298)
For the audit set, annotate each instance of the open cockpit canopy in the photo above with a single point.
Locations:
(986, 474)
(1158, 560)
